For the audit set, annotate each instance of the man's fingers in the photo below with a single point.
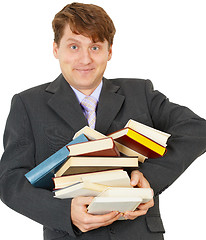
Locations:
(135, 178)
(141, 210)
(91, 222)
(100, 219)
(147, 205)
(83, 200)
(135, 214)
(138, 179)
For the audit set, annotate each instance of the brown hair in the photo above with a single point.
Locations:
(85, 19)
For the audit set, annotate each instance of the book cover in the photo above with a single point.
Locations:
(84, 189)
(152, 133)
(100, 147)
(41, 176)
(104, 205)
(92, 134)
(78, 164)
(146, 194)
(114, 178)
(138, 142)
(119, 199)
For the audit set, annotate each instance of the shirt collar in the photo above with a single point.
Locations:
(80, 96)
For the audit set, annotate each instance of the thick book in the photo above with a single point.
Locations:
(146, 194)
(103, 205)
(102, 147)
(84, 189)
(41, 176)
(92, 134)
(138, 142)
(152, 133)
(78, 164)
(114, 178)
(119, 199)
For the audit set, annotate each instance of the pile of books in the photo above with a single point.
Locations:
(93, 165)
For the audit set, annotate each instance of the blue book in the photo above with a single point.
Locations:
(41, 176)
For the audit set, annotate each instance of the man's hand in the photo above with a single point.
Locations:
(85, 221)
(137, 179)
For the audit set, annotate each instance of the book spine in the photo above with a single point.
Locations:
(136, 146)
(51, 163)
(147, 142)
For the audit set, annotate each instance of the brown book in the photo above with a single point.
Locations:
(102, 147)
(92, 134)
(78, 164)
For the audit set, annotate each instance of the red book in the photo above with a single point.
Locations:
(102, 147)
(139, 143)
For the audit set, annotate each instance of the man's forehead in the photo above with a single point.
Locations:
(70, 35)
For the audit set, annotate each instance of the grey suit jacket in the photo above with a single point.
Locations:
(45, 118)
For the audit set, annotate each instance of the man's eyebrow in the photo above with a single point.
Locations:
(72, 40)
(75, 40)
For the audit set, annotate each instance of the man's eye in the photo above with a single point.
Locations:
(95, 48)
(74, 47)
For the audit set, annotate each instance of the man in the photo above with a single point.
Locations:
(44, 118)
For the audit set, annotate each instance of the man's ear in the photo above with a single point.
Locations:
(55, 50)
(110, 53)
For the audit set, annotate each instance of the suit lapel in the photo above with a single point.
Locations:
(109, 105)
(65, 103)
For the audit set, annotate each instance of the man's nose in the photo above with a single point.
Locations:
(85, 57)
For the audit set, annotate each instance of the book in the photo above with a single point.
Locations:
(103, 205)
(78, 164)
(41, 176)
(92, 134)
(89, 189)
(101, 147)
(86, 189)
(114, 178)
(152, 133)
(146, 194)
(138, 142)
(119, 199)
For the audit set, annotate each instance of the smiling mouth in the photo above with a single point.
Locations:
(84, 70)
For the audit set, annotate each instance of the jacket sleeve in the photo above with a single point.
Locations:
(17, 159)
(187, 141)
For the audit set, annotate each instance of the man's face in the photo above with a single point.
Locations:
(82, 61)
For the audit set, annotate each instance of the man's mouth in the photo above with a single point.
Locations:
(84, 70)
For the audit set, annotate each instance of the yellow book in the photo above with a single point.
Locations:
(138, 142)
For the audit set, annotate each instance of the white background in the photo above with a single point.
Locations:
(161, 40)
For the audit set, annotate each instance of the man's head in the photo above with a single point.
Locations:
(85, 19)
(83, 44)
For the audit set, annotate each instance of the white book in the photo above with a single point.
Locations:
(119, 199)
(77, 165)
(84, 189)
(146, 194)
(114, 178)
(103, 205)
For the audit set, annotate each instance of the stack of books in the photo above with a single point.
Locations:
(92, 164)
